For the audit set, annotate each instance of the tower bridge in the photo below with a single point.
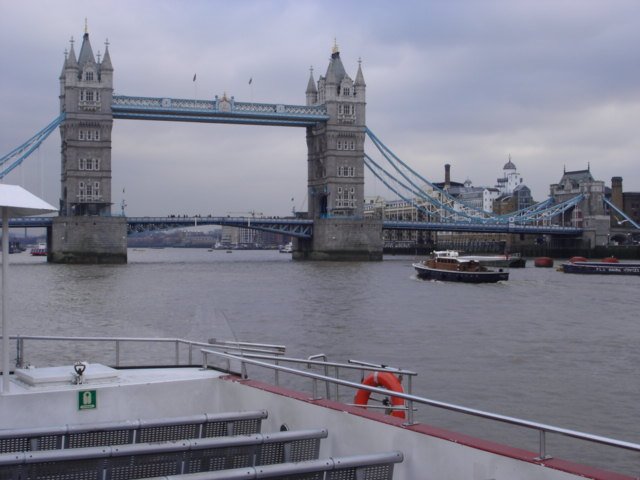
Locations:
(303, 228)
(219, 110)
(334, 118)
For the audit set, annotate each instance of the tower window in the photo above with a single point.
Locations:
(88, 192)
(89, 164)
(344, 171)
(89, 95)
(346, 91)
(89, 134)
(88, 76)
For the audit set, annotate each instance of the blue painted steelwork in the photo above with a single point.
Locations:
(294, 227)
(446, 202)
(620, 212)
(302, 228)
(220, 110)
(541, 212)
(28, 147)
(449, 208)
(461, 218)
(482, 228)
(30, 222)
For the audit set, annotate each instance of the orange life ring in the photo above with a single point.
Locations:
(386, 380)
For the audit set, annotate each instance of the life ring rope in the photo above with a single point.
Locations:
(386, 380)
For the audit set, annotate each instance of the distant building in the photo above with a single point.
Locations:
(513, 194)
(478, 197)
(237, 237)
(475, 197)
(510, 179)
(628, 202)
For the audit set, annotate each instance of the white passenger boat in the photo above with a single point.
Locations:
(288, 248)
(220, 411)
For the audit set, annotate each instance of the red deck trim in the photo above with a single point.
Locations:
(462, 439)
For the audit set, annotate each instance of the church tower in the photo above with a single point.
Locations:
(336, 169)
(86, 89)
(85, 231)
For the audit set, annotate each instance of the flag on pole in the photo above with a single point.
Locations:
(194, 77)
(250, 80)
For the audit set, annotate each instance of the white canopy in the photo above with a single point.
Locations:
(15, 201)
(21, 203)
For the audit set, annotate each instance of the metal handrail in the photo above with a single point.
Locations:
(542, 428)
(258, 348)
(352, 365)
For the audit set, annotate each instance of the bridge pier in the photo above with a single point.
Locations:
(338, 239)
(85, 239)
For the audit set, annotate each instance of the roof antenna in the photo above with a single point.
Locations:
(86, 26)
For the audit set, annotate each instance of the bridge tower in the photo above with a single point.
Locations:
(589, 214)
(336, 171)
(85, 231)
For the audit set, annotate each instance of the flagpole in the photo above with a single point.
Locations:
(195, 90)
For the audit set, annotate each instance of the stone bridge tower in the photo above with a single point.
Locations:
(85, 232)
(336, 171)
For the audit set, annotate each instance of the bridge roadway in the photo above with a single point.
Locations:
(219, 110)
(303, 228)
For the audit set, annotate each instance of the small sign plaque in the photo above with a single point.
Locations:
(87, 399)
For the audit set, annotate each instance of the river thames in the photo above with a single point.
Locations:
(545, 346)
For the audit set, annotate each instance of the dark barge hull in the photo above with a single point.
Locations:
(464, 277)
(602, 268)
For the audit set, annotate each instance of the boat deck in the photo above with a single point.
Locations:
(340, 435)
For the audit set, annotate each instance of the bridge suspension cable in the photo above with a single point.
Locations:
(626, 218)
(437, 196)
(15, 157)
(438, 202)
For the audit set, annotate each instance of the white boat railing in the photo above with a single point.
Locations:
(411, 399)
(117, 342)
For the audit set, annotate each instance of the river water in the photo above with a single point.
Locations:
(545, 346)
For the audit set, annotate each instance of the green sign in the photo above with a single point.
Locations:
(87, 399)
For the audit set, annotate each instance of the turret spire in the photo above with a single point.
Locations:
(359, 76)
(106, 59)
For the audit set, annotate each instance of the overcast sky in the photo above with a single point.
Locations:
(554, 84)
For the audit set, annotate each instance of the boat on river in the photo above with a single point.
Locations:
(39, 251)
(219, 410)
(448, 265)
(287, 248)
(607, 266)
